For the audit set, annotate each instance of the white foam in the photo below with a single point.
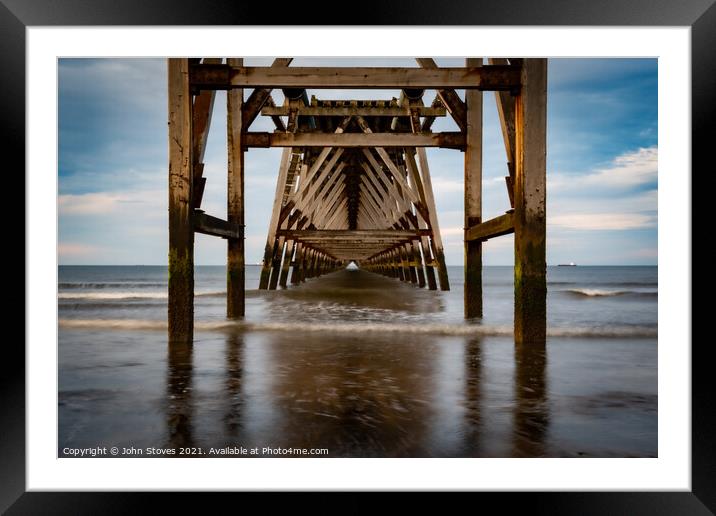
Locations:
(595, 292)
(127, 295)
(359, 328)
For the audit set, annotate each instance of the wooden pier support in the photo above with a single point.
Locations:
(353, 182)
(530, 205)
(235, 281)
(473, 199)
(181, 230)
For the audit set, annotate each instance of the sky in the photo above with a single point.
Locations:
(601, 164)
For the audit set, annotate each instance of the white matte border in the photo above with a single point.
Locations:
(670, 471)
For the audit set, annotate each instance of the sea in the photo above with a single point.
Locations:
(355, 364)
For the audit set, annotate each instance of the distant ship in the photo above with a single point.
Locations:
(570, 264)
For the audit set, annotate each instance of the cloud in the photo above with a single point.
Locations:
(88, 204)
(452, 231)
(445, 185)
(630, 169)
(602, 221)
(152, 203)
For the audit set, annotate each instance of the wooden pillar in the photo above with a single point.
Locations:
(235, 201)
(309, 263)
(181, 230)
(473, 198)
(419, 264)
(290, 249)
(530, 205)
(276, 262)
(296, 271)
(429, 269)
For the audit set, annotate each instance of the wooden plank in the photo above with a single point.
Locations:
(355, 111)
(450, 99)
(473, 199)
(181, 180)
(208, 225)
(235, 273)
(530, 206)
(449, 140)
(501, 225)
(352, 234)
(205, 76)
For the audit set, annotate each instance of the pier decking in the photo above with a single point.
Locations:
(354, 182)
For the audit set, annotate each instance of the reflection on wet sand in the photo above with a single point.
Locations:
(473, 395)
(353, 396)
(179, 395)
(531, 413)
(234, 382)
(396, 396)
(368, 394)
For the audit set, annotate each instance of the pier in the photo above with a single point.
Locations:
(354, 181)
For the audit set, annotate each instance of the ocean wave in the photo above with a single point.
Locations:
(116, 284)
(360, 328)
(98, 296)
(597, 292)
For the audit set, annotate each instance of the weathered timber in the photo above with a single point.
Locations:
(432, 111)
(213, 226)
(235, 280)
(530, 205)
(473, 199)
(449, 140)
(356, 234)
(181, 233)
(502, 225)
(221, 77)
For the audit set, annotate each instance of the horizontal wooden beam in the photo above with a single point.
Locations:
(358, 235)
(222, 77)
(354, 111)
(208, 225)
(502, 225)
(450, 140)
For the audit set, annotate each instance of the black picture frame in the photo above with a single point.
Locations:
(700, 15)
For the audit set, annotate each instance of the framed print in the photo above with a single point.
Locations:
(368, 270)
